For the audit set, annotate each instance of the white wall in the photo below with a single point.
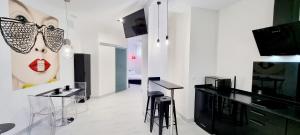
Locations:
(107, 70)
(203, 51)
(14, 104)
(191, 53)
(91, 35)
(157, 55)
(236, 45)
(178, 55)
(89, 45)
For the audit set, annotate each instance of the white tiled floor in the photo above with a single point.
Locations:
(118, 114)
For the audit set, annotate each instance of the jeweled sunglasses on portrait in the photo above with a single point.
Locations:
(21, 36)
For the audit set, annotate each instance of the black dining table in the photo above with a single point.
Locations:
(62, 94)
(6, 127)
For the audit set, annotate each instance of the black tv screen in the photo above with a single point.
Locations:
(277, 79)
(135, 24)
(278, 40)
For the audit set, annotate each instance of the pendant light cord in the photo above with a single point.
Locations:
(158, 3)
(167, 18)
(67, 19)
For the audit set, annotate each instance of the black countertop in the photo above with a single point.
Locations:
(167, 85)
(283, 109)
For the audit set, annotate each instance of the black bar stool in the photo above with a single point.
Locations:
(163, 104)
(152, 95)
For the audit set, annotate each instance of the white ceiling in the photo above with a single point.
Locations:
(212, 4)
(102, 14)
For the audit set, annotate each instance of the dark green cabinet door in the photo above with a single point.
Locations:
(286, 11)
(293, 128)
(225, 116)
(261, 122)
(231, 118)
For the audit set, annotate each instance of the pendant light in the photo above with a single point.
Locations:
(167, 36)
(158, 41)
(67, 48)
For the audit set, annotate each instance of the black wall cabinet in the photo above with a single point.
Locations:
(82, 70)
(286, 11)
(293, 128)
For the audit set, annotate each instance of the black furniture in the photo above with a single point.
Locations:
(6, 127)
(293, 127)
(218, 83)
(286, 11)
(152, 95)
(204, 109)
(169, 86)
(62, 94)
(163, 104)
(82, 71)
(135, 81)
(246, 113)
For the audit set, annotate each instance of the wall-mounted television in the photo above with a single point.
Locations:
(278, 40)
(135, 24)
(277, 79)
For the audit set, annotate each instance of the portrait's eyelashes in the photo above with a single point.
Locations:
(22, 18)
(21, 35)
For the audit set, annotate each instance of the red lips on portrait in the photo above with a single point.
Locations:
(39, 65)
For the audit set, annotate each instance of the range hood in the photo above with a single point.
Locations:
(278, 40)
(283, 37)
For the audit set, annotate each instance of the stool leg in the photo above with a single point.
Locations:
(166, 113)
(147, 108)
(152, 113)
(174, 112)
(161, 118)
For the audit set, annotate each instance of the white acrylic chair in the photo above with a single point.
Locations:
(42, 106)
(81, 98)
(82, 94)
(77, 102)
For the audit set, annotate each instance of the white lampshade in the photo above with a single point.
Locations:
(67, 51)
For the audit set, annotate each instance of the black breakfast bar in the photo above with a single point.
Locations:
(171, 87)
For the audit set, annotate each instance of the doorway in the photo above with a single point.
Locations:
(112, 69)
(134, 50)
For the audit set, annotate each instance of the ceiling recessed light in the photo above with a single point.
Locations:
(121, 20)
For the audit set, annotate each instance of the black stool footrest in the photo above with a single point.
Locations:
(163, 104)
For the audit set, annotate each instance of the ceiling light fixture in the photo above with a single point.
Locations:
(121, 20)
(67, 47)
(158, 41)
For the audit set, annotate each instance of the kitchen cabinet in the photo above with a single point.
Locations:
(293, 127)
(204, 109)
